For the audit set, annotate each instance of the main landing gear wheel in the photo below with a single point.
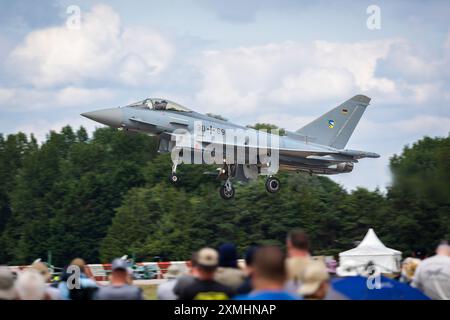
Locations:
(227, 191)
(173, 178)
(273, 185)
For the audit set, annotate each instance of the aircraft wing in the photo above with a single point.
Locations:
(310, 151)
(304, 153)
(200, 145)
(356, 154)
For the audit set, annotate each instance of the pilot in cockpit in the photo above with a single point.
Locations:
(160, 105)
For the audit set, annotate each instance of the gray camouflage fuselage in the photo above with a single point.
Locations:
(316, 148)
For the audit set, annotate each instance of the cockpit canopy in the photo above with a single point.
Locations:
(159, 104)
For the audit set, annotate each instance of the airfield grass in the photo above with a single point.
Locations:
(149, 291)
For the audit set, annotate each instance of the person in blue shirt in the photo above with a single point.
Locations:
(269, 276)
(87, 286)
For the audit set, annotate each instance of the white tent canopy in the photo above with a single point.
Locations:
(370, 250)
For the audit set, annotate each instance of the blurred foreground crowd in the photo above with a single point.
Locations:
(267, 274)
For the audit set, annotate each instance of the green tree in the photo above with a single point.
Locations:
(419, 198)
(134, 221)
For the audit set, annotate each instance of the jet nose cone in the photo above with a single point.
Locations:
(111, 117)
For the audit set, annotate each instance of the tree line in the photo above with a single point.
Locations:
(108, 195)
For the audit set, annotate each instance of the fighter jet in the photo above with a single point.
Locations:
(316, 148)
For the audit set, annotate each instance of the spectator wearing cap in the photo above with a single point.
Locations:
(432, 276)
(298, 249)
(246, 286)
(165, 290)
(52, 292)
(119, 287)
(81, 288)
(316, 281)
(7, 289)
(204, 287)
(269, 276)
(228, 273)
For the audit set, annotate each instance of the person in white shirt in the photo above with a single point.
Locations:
(165, 290)
(432, 276)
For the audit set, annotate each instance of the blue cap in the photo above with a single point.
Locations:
(118, 264)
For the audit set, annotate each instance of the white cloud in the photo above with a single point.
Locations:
(290, 73)
(360, 59)
(424, 125)
(146, 54)
(314, 85)
(20, 99)
(6, 95)
(261, 78)
(405, 60)
(74, 97)
(60, 67)
(102, 49)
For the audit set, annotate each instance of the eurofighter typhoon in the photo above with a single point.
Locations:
(239, 152)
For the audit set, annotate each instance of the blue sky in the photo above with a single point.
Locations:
(283, 62)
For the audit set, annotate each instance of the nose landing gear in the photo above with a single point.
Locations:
(273, 185)
(226, 191)
(173, 177)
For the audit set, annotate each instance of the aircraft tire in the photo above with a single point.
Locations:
(273, 185)
(174, 179)
(226, 194)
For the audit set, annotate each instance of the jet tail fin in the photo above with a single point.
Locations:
(335, 127)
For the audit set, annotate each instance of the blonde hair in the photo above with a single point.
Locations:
(80, 263)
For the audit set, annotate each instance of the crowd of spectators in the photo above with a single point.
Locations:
(268, 273)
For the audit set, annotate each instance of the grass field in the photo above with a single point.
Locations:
(149, 291)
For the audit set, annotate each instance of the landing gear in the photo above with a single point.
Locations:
(227, 190)
(273, 185)
(173, 177)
